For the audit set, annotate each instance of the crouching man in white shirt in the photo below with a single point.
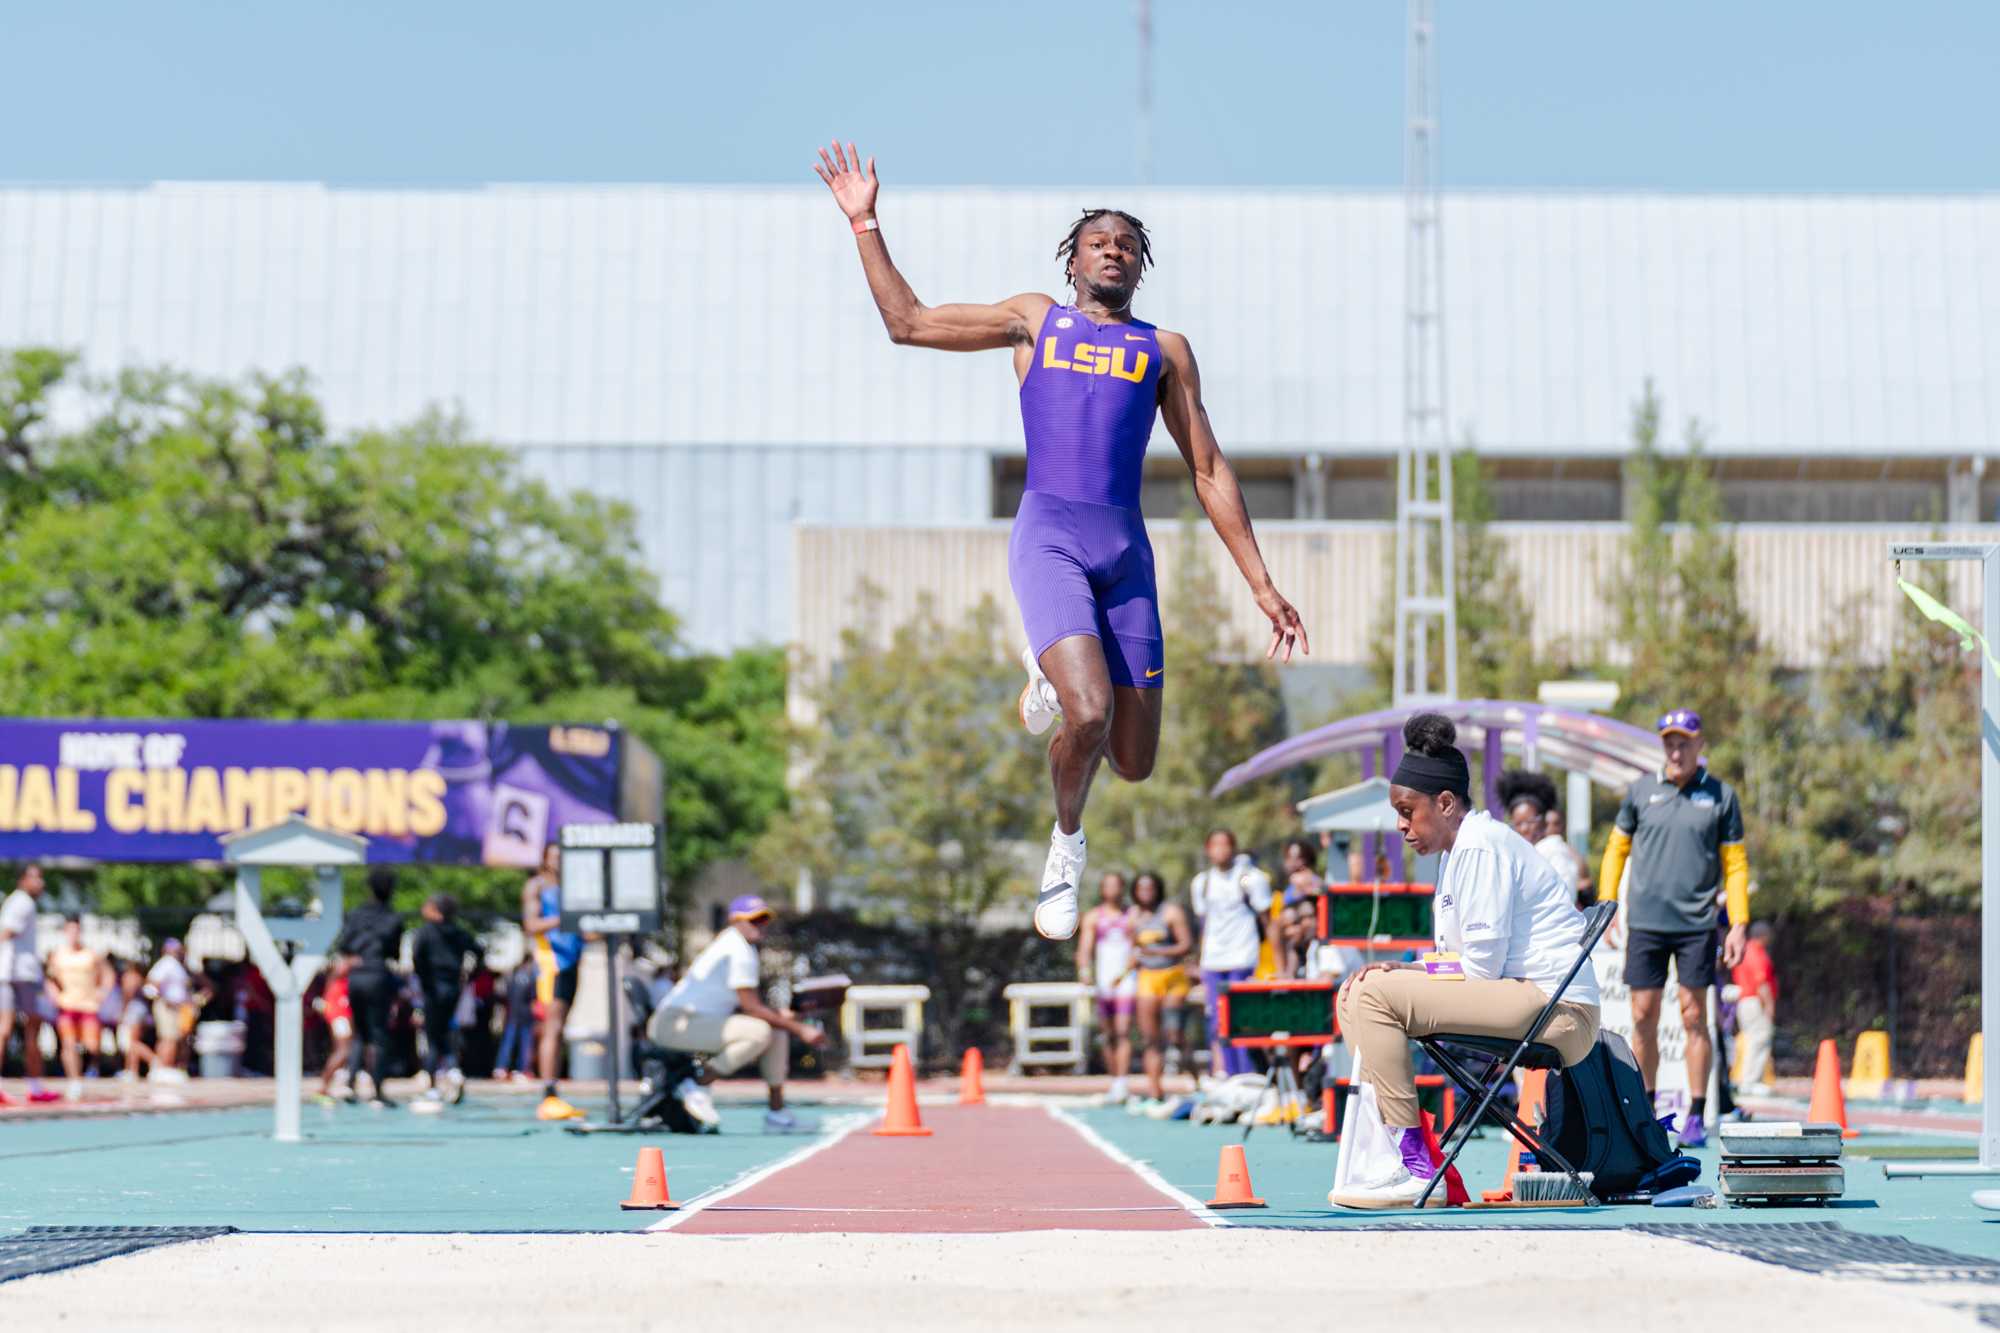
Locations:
(715, 1011)
(1505, 917)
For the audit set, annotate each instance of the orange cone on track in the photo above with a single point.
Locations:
(901, 1120)
(1829, 1106)
(972, 1079)
(1534, 1101)
(649, 1184)
(1232, 1181)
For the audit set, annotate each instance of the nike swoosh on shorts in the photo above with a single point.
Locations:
(1154, 672)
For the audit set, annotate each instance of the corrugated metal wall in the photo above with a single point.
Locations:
(589, 315)
(1800, 582)
(715, 521)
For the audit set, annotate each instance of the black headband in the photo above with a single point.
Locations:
(1421, 772)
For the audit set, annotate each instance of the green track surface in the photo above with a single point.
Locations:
(1293, 1177)
(483, 1166)
(489, 1166)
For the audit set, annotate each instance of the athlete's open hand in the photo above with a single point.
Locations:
(1287, 630)
(853, 188)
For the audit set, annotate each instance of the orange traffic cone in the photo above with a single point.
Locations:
(972, 1079)
(1232, 1181)
(1829, 1106)
(1534, 1098)
(649, 1184)
(901, 1119)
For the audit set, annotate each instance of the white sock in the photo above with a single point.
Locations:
(1069, 842)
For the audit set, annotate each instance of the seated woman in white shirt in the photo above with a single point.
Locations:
(1510, 920)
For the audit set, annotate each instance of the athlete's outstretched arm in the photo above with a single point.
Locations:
(1215, 485)
(949, 328)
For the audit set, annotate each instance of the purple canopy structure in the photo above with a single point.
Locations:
(1609, 753)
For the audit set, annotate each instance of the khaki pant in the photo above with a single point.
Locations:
(1381, 1012)
(1754, 1034)
(729, 1043)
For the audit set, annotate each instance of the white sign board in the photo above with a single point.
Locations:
(1615, 1015)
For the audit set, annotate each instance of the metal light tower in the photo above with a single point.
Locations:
(1426, 658)
(1145, 92)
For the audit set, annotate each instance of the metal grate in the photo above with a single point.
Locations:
(52, 1249)
(1831, 1249)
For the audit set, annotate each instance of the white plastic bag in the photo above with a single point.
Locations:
(1369, 1153)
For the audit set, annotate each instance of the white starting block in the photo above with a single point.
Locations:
(1066, 1043)
(873, 1048)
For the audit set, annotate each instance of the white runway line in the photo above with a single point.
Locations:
(1141, 1169)
(1026, 1208)
(835, 1132)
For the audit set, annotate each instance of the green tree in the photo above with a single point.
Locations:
(1689, 639)
(200, 548)
(916, 786)
(1497, 658)
(1691, 643)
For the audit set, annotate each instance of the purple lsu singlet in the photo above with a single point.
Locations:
(1078, 556)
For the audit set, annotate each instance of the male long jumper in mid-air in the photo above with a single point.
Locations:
(1091, 378)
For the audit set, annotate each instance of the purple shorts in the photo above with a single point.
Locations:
(1114, 1006)
(1081, 568)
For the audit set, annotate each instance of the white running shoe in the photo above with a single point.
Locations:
(1039, 709)
(454, 1085)
(699, 1105)
(1399, 1190)
(428, 1102)
(1055, 908)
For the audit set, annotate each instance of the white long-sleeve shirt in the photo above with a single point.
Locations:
(1506, 913)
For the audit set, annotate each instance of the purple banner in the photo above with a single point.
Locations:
(462, 793)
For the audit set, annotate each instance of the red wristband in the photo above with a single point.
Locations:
(869, 225)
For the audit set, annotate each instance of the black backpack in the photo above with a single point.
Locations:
(1600, 1119)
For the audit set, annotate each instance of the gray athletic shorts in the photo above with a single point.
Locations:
(21, 997)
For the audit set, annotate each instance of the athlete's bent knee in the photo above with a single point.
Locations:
(1088, 719)
(1132, 768)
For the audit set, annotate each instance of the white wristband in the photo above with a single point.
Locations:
(870, 225)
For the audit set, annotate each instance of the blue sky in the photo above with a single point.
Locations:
(1688, 95)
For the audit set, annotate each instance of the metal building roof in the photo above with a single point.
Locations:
(618, 315)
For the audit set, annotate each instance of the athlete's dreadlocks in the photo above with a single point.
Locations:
(1067, 250)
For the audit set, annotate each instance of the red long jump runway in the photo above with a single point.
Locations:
(986, 1168)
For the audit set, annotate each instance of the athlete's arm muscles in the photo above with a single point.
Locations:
(1183, 937)
(1216, 487)
(948, 328)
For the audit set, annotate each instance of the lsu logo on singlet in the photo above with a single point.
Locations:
(1090, 359)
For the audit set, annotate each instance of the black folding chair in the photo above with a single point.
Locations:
(1508, 1054)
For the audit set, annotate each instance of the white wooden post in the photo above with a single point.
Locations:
(292, 843)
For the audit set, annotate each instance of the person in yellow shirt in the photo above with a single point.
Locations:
(1679, 833)
(77, 980)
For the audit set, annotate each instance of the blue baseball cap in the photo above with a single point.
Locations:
(1684, 720)
(749, 907)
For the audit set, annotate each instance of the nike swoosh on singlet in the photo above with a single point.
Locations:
(1135, 337)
